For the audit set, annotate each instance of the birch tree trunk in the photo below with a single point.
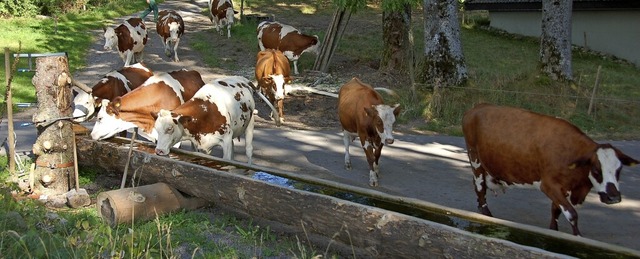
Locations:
(555, 41)
(54, 173)
(444, 61)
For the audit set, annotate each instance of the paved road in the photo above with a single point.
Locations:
(431, 168)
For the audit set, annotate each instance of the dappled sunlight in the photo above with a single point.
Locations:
(304, 8)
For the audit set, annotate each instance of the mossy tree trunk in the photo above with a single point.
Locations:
(555, 41)
(444, 63)
(54, 173)
(397, 38)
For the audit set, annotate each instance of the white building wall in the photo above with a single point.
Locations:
(612, 32)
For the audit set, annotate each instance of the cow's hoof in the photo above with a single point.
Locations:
(484, 210)
(347, 165)
(167, 53)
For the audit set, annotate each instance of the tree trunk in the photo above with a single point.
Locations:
(444, 61)
(332, 37)
(54, 171)
(555, 41)
(397, 37)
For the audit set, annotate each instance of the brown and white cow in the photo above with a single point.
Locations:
(161, 91)
(292, 43)
(514, 147)
(170, 27)
(363, 114)
(113, 84)
(221, 13)
(219, 112)
(272, 73)
(129, 38)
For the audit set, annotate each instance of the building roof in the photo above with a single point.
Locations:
(533, 5)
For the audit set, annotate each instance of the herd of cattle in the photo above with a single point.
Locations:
(506, 146)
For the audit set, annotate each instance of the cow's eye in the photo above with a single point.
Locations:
(169, 130)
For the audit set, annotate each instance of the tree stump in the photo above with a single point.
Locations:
(54, 171)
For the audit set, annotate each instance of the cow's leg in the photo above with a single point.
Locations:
(554, 192)
(280, 104)
(175, 50)
(479, 182)
(555, 213)
(228, 30)
(369, 152)
(167, 47)
(346, 138)
(376, 162)
(227, 146)
(248, 136)
(128, 58)
(295, 67)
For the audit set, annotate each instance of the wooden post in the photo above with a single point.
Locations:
(10, 131)
(593, 94)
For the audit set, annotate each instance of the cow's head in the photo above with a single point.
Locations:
(108, 121)
(84, 106)
(110, 38)
(383, 116)
(314, 47)
(606, 164)
(170, 129)
(229, 15)
(174, 30)
(277, 82)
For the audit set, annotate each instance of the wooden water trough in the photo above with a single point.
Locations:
(346, 221)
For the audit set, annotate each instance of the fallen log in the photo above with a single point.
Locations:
(346, 227)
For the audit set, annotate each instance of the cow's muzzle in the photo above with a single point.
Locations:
(161, 152)
(388, 141)
(611, 196)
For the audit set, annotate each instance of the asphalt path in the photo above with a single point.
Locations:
(430, 168)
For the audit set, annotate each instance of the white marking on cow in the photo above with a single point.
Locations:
(478, 181)
(108, 125)
(388, 118)
(169, 80)
(609, 164)
(475, 164)
(279, 81)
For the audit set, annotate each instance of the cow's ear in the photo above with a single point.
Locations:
(371, 111)
(396, 109)
(580, 163)
(624, 159)
(154, 115)
(185, 119)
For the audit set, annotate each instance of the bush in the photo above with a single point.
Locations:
(18, 8)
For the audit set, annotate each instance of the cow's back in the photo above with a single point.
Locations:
(133, 35)
(269, 35)
(272, 62)
(353, 97)
(190, 80)
(509, 141)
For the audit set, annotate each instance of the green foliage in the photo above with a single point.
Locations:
(18, 8)
(352, 5)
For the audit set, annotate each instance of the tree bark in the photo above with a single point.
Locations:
(397, 37)
(54, 144)
(332, 37)
(444, 61)
(555, 41)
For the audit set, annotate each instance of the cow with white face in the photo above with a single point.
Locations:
(113, 84)
(219, 112)
(286, 38)
(364, 115)
(272, 73)
(161, 91)
(129, 38)
(170, 28)
(221, 13)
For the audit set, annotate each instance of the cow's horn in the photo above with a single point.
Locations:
(82, 86)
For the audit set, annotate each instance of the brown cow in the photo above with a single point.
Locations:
(292, 43)
(221, 13)
(363, 114)
(161, 91)
(510, 146)
(170, 27)
(129, 38)
(272, 72)
(113, 84)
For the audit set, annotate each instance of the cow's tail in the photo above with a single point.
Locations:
(386, 90)
(275, 113)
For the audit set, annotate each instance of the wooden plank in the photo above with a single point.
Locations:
(347, 227)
